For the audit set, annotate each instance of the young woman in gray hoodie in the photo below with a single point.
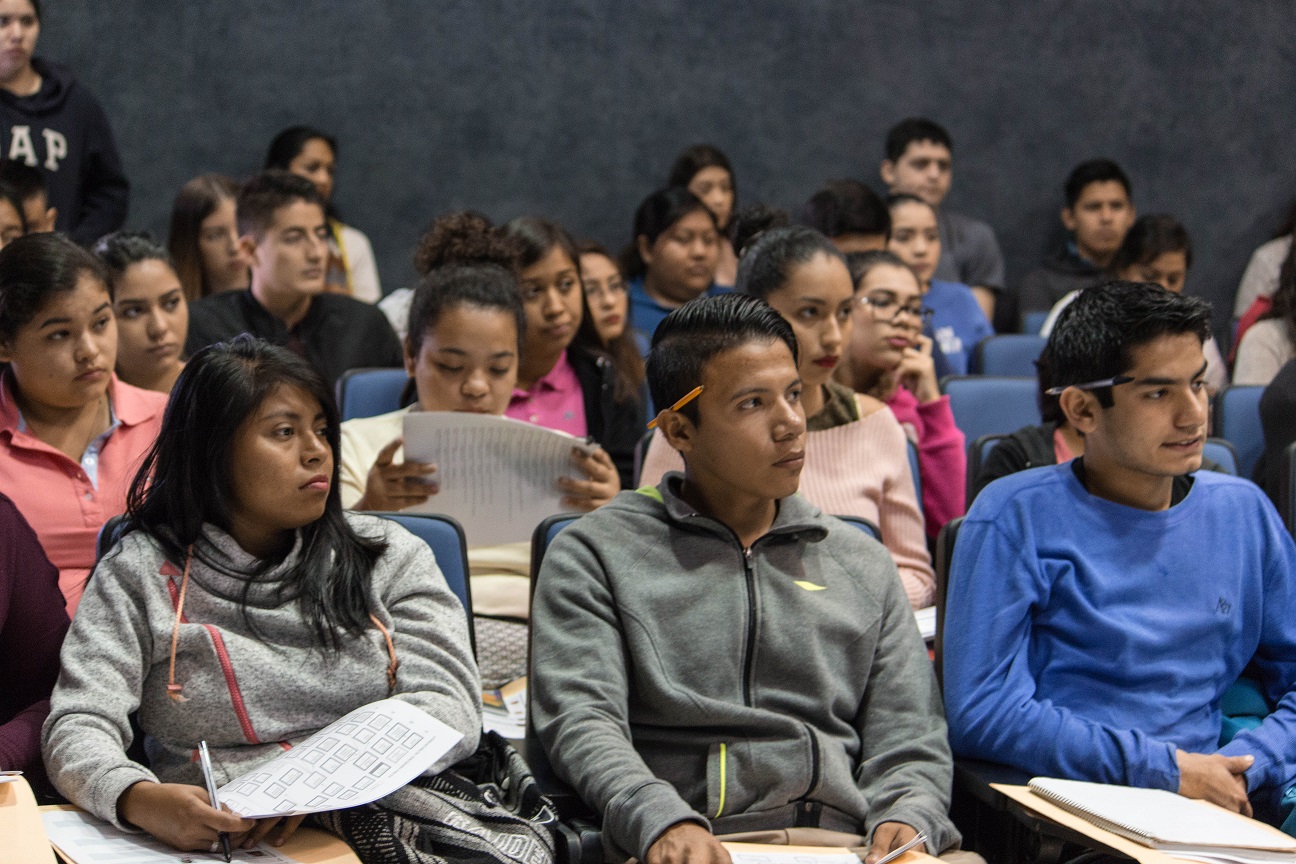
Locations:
(243, 607)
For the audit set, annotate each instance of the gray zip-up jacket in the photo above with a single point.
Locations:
(678, 677)
(248, 695)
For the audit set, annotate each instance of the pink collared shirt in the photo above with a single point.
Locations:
(555, 401)
(54, 492)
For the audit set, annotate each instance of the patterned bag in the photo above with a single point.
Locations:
(485, 810)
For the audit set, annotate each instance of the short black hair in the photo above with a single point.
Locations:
(1095, 171)
(691, 161)
(483, 285)
(289, 143)
(1095, 336)
(861, 264)
(27, 180)
(120, 249)
(535, 237)
(914, 129)
(1149, 238)
(767, 263)
(691, 336)
(846, 207)
(266, 194)
(655, 215)
(35, 267)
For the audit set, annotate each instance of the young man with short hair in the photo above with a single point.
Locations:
(715, 655)
(920, 161)
(1098, 609)
(29, 183)
(1099, 211)
(281, 220)
(850, 214)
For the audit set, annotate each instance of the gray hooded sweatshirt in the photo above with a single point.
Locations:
(249, 696)
(678, 677)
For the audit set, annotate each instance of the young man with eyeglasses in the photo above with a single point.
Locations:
(1099, 609)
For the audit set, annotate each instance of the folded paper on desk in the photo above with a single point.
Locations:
(366, 755)
(761, 853)
(82, 839)
(498, 477)
(1178, 826)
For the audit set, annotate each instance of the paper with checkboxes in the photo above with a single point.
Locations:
(369, 753)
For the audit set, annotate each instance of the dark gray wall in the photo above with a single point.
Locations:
(575, 110)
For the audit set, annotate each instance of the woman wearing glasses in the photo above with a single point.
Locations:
(856, 463)
(605, 328)
(890, 359)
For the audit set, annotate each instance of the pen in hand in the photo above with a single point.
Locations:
(204, 759)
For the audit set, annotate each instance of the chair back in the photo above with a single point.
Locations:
(445, 536)
(1009, 354)
(978, 450)
(370, 392)
(1287, 492)
(944, 559)
(1222, 453)
(1033, 322)
(640, 452)
(1237, 420)
(985, 405)
(109, 533)
(915, 470)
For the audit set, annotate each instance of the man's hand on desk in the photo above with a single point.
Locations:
(687, 843)
(1218, 779)
(890, 836)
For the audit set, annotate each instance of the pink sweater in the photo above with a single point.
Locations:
(942, 456)
(857, 469)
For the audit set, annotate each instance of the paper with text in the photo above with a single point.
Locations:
(368, 754)
(84, 839)
(760, 853)
(496, 476)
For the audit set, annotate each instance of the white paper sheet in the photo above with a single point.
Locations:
(84, 839)
(497, 476)
(369, 753)
(749, 853)
(925, 618)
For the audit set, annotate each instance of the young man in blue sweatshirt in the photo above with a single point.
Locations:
(1098, 609)
(715, 656)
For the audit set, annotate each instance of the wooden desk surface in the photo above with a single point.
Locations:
(20, 826)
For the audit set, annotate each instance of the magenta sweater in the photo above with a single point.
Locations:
(942, 456)
(32, 624)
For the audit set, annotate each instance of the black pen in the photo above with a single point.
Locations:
(204, 758)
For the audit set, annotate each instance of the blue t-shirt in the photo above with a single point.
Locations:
(958, 323)
(646, 313)
(1088, 640)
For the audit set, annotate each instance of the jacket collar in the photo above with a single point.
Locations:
(794, 517)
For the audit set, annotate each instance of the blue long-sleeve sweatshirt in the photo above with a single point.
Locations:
(1088, 640)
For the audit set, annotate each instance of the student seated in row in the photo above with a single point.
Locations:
(920, 161)
(1259, 279)
(203, 238)
(466, 334)
(285, 234)
(1271, 342)
(71, 433)
(29, 183)
(13, 222)
(1099, 209)
(1098, 610)
(705, 171)
(606, 328)
(236, 537)
(857, 459)
(152, 313)
(890, 359)
(1156, 249)
(850, 214)
(716, 656)
(958, 322)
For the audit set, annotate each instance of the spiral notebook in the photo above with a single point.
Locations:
(1170, 823)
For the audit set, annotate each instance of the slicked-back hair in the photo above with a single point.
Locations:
(914, 129)
(655, 216)
(846, 207)
(483, 285)
(692, 335)
(1150, 237)
(34, 268)
(767, 263)
(120, 249)
(185, 482)
(1095, 336)
(1094, 171)
(266, 194)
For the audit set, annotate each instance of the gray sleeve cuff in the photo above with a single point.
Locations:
(942, 836)
(637, 817)
(101, 799)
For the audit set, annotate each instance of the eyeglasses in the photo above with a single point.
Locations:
(1091, 385)
(885, 303)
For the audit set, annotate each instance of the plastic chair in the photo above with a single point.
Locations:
(915, 470)
(985, 405)
(1237, 420)
(1033, 322)
(370, 392)
(1010, 354)
(1222, 453)
(640, 452)
(446, 538)
(1287, 492)
(978, 450)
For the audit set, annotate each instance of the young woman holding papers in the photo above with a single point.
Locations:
(245, 608)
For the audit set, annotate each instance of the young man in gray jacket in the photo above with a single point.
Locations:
(715, 656)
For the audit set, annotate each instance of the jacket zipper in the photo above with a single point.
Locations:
(749, 658)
